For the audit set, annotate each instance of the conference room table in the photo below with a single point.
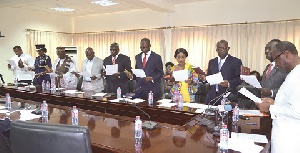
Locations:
(110, 132)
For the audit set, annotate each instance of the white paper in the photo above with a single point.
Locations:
(195, 105)
(118, 100)
(140, 73)
(2, 107)
(180, 75)
(165, 101)
(168, 105)
(27, 115)
(72, 91)
(53, 74)
(251, 137)
(200, 110)
(250, 112)
(243, 146)
(250, 95)
(99, 95)
(136, 100)
(214, 79)
(85, 74)
(12, 63)
(252, 80)
(111, 69)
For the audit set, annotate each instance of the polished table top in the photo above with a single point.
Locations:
(113, 133)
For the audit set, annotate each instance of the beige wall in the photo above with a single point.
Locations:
(13, 24)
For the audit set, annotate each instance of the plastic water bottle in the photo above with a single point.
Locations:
(138, 128)
(175, 96)
(119, 93)
(150, 98)
(43, 86)
(138, 146)
(235, 114)
(8, 102)
(224, 136)
(48, 86)
(16, 83)
(180, 101)
(44, 109)
(74, 116)
(53, 88)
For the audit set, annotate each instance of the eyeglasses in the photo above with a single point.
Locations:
(277, 56)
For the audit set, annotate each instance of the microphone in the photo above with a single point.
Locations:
(147, 124)
(1, 76)
(216, 99)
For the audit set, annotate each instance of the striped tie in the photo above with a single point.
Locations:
(114, 61)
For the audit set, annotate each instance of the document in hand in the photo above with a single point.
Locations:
(214, 79)
(250, 95)
(251, 79)
(180, 75)
(111, 69)
(12, 63)
(140, 73)
(199, 71)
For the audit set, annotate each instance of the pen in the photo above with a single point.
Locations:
(250, 123)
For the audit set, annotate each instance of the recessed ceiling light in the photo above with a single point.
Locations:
(62, 9)
(104, 2)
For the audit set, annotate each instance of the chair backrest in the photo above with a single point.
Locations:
(49, 138)
(4, 144)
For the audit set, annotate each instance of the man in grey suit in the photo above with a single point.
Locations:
(272, 77)
(93, 66)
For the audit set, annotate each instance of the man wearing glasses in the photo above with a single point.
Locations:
(230, 68)
(272, 77)
(285, 109)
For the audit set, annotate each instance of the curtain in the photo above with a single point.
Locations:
(129, 43)
(246, 41)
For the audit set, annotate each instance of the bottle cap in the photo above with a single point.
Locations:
(137, 117)
(74, 106)
(44, 101)
(224, 126)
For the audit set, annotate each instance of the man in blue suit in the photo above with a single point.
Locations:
(152, 64)
(230, 68)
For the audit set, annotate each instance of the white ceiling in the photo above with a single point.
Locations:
(85, 7)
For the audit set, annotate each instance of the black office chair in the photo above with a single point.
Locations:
(4, 144)
(48, 138)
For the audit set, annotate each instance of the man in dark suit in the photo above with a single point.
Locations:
(230, 68)
(272, 77)
(119, 79)
(152, 64)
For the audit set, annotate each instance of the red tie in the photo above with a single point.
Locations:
(144, 61)
(269, 70)
(114, 61)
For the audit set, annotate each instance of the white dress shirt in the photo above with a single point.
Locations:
(69, 80)
(23, 73)
(147, 56)
(286, 115)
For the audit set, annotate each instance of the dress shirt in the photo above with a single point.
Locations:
(286, 115)
(147, 55)
(88, 68)
(23, 73)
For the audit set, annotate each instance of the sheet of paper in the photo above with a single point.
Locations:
(165, 101)
(72, 91)
(2, 107)
(99, 95)
(243, 146)
(200, 110)
(250, 95)
(27, 115)
(85, 74)
(140, 73)
(136, 100)
(12, 63)
(111, 69)
(251, 79)
(180, 75)
(195, 105)
(168, 105)
(251, 137)
(214, 79)
(250, 112)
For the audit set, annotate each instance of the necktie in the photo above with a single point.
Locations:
(269, 70)
(114, 61)
(144, 61)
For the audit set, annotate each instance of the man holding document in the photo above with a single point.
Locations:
(116, 68)
(91, 72)
(152, 65)
(285, 110)
(225, 71)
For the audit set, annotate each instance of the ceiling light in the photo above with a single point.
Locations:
(62, 9)
(104, 2)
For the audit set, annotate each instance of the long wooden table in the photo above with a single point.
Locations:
(111, 125)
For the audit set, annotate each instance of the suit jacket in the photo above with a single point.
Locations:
(113, 82)
(230, 71)
(274, 80)
(95, 85)
(154, 69)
